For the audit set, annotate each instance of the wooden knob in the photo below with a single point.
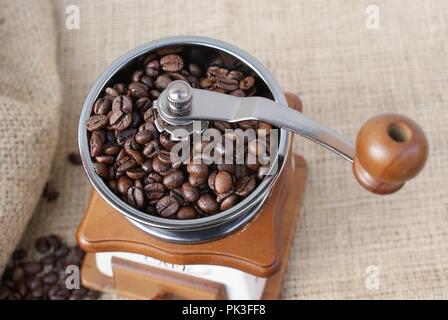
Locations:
(390, 150)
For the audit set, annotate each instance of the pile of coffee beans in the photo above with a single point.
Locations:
(43, 278)
(133, 158)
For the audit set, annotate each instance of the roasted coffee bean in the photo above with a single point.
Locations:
(122, 103)
(32, 268)
(124, 135)
(247, 83)
(101, 169)
(136, 174)
(42, 245)
(138, 90)
(240, 171)
(199, 169)
(228, 202)
(62, 251)
(195, 70)
(172, 63)
(147, 166)
(154, 94)
(50, 278)
(75, 158)
(50, 192)
(167, 206)
(18, 274)
(205, 83)
(102, 106)
(120, 120)
(165, 157)
(197, 181)
(19, 254)
(162, 82)
(226, 83)
(137, 75)
(159, 166)
(136, 197)
(4, 293)
(214, 72)
(96, 122)
(238, 93)
(124, 183)
(177, 76)
(125, 163)
(223, 182)
(105, 159)
(207, 203)
(152, 68)
(245, 185)
(54, 240)
(155, 176)
(154, 190)
(96, 144)
(33, 283)
(174, 179)
(211, 180)
(185, 213)
(190, 193)
(144, 136)
(166, 142)
(22, 289)
(152, 149)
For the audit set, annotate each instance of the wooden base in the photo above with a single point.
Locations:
(281, 210)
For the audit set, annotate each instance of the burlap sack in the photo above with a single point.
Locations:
(29, 112)
(349, 244)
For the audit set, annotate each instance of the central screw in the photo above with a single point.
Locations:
(179, 96)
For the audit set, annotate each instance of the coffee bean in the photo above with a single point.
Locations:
(101, 169)
(50, 278)
(42, 245)
(185, 213)
(32, 267)
(152, 149)
(62, 251)
(190, 193)
(96, 122)
(136, 197)
(124, 135)
(167, 206)
(138, 90)
(18, 274)
(247, 83)
(125, 163)
(124, 183)
(228, 202)
(159, 166)
(50, 192)
(165, 157)
(152, 68)
(238, 93)
(199, 169)
(197, 181)
(165, 141)
(245, 185)
(37, 293)
(226, 83)
(19, 254)
(162, 82)
(207, 203)
(105, 159)
(75, 158)
(122, 103)
(102, 106)
(4, 293)
(195, 70)
(172, 63)
(120, 120)
(154, 190)
(54, 240)
(174, 180)
(144, 137)
(223, 182)
(136, 173)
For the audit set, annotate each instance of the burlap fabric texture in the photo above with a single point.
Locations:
(29, 112)
(349, 244)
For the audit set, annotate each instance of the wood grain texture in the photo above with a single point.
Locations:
(390, 150)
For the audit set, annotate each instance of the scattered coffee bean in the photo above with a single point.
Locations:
(50, 192)
(167, 206)
(75, 158)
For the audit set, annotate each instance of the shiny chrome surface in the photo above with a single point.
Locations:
(233, 109)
